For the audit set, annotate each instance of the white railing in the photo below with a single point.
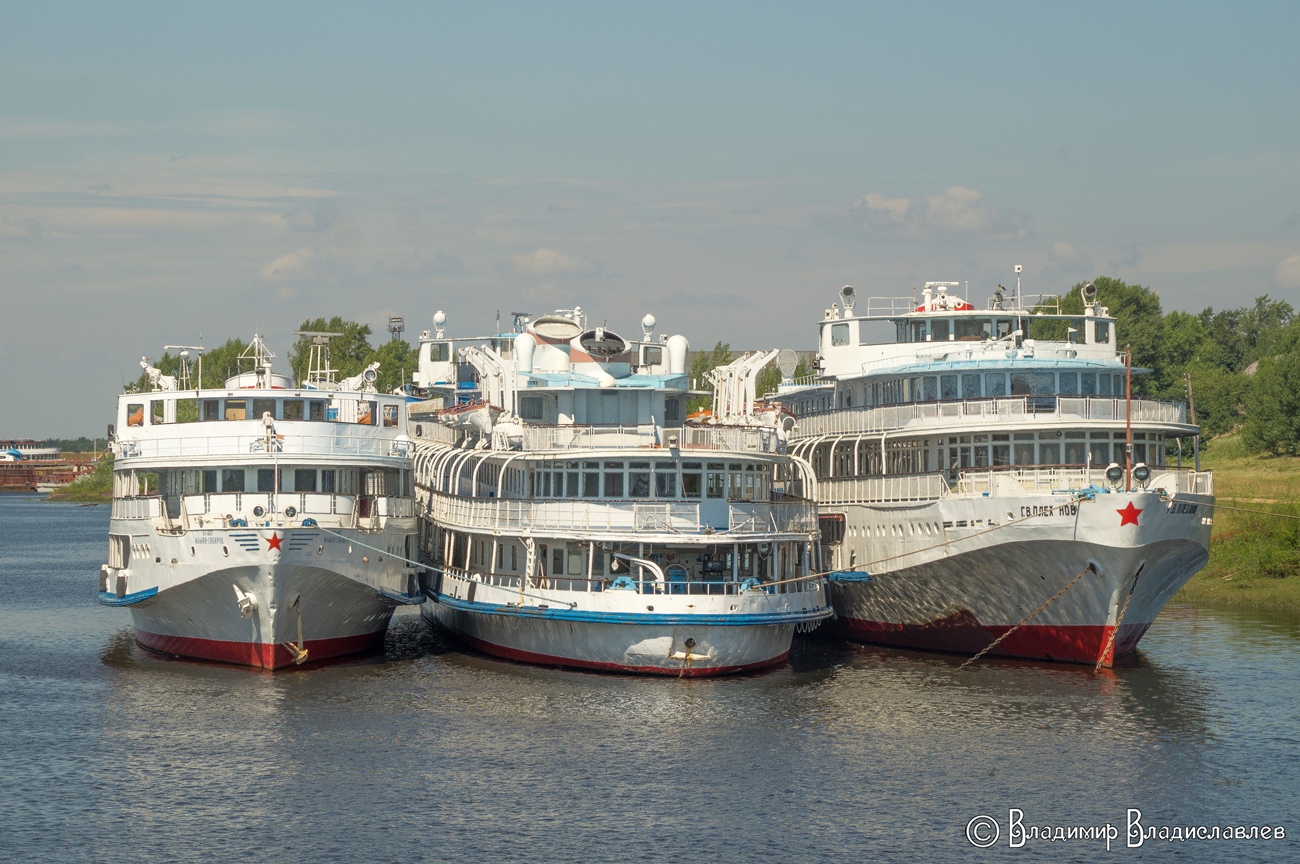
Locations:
(380, 444)
(759, 517)
(633, 517)
(999, 482)
(597, 584)
(761, 439)
(431, 431)
(902, 488)
(1035, 409)
(137, 508)
(213, 510)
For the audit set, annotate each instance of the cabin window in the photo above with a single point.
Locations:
(1004, 327)
(135, 414)
(614, 480)
(1088, 383)
(591, 480)
(327, 480)
(365, 412)
(918, 331)
(293, 409)
(947, 386)
(1099, 449)
(1032, 383)
(971, 329)
(530, 408)
(262, 407)
(187, 410)
(1024, 448)
(931, 388)
(316, 410)
(1049, 452)
(717, 480)
(208, 480)
(691, 479)
(666, 480)
(439, 352)
(211, 409)
(232, 479)
(839, 334)
(390, 416)
(1069, 384)
(156, 411)
(914, 389)
(970, 386)
(832, 529)
(235, 409)
(265, 479)
(1120, 390)
(1103, 332)
(672, 410)
(995, 384)
(939, 330)
(304, 480)
(638, 480)
(1001, 451)
(577, 566)
(652, 355)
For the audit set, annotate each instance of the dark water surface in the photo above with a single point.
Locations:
(848, 753)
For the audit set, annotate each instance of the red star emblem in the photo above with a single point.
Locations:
(1129, 515)
(273, 542)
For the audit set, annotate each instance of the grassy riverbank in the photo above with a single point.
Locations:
(95, 488)
(1254, 558)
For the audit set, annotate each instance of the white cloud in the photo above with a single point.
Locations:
(1288, 271)
(423, 265)
(551, 262)
(1064, 253)
(893, 208)
(20, 227)
(957, 208)
(304, 265)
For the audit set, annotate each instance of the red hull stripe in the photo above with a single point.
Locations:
(547, 660)
(1071, 644)
(258, 654)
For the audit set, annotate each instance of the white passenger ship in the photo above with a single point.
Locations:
(572, 518)
(261, 524)
(968, 472)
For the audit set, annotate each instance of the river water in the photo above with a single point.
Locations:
(426, 753)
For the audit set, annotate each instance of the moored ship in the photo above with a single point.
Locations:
(571, 517)
(987, 480)
(263, 523)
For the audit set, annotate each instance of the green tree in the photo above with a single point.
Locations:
(1219, 397)
(704, 362)
(1273, 406)
(349, 353)
(397, 361)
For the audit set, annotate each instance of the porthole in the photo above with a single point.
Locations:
(225, 550)
(193, 552)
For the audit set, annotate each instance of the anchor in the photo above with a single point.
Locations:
(298, 651)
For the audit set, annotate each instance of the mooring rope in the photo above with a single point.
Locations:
(1101, 658)
(1029, 617)
(1173, 499)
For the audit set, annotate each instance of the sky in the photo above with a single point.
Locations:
(171, 172)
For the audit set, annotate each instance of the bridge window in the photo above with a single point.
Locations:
(1103, 332)
(717, 480)
(947, 386)
(156, 411)
(939, 330)
(970, 386)
(304, 480)
(839, 334)
(293, 409)
(1032, 383)
(232, 479)
(1069, 384)
(235, 409)
(265, 479)
(316, 410)
(530, 407)
(1088, 383)
(135, 414)
(995, 384)
(327, 480)
(972, 329)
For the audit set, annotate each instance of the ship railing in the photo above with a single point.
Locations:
(758, 517)
(218, 509)
(1013, 481)
(735, 438)
(722, 585)
(635, 517)
(1035, 409)
(156, 447)
(901, 489)
(433, 432)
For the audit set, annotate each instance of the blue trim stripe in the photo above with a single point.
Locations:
(742, 619)
(404, 599)
(110, 599)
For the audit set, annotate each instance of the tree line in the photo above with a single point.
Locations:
(349, 353)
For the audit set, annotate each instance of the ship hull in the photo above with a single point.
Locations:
(315, 597)
(992, 585)
(718, 636)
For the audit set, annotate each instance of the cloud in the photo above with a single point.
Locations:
(26, 228)
(423, 265)
(316, 217)
(551, 262)
(304, 265)
(717, 300)
(957, 210)
(1064, 253)
(1288, 271)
